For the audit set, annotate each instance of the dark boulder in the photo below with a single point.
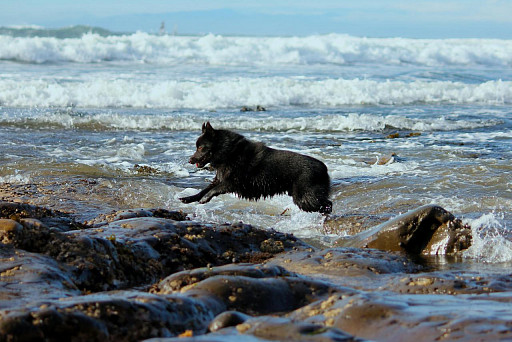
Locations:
(428, 230)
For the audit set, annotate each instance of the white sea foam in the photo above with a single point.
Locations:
(135, 152)
(238, 92)
(339, 170)
(16, 178)
(489, 242)
(264, 213)
(238, 121)
(222, 50)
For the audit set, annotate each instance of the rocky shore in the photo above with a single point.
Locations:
(154, 274)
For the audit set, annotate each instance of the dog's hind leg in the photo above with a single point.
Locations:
(311, 200)
(305, 200)
(326, 207)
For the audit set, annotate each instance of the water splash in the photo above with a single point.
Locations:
(490, 243)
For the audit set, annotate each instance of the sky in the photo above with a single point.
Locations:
(369, 18)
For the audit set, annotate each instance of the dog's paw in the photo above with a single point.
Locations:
(188, 199)
(204, 200)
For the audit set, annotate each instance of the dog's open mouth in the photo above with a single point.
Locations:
(200, 160)
(198, 163)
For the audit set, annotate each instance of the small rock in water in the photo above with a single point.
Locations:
(249, 109)
(428, 230)
(145, 169)
(227, 319)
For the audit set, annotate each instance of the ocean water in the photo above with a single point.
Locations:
(399, 122)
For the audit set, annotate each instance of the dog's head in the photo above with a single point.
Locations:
(204, 145)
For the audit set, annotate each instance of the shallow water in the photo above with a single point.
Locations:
(77, 116)
(458, 158)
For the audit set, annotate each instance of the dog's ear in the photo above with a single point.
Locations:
(207, 128)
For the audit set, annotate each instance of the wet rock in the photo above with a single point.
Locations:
(429, 284)
(178, 281)
(118, 316)
(133, 315)
(272, 246)
(351, 224)
(8, 229)
(344, 262)
(260, 296)
(105, 219)
(48, 272)
(227, 319)
(267, 328)
(412, 317)
(258, 108)
(444, 282)
(178, 245)
(356, 268)
(393, 136)
(18, 210)
(407, 135)
(140, 250)
(51, 218)
(40, 263)
(145, 170)
(450, 238)
(429, 230)
(250, 289)
(31, 234)
(176, 215)
(283, 329)
(28, 277)
(375, 270)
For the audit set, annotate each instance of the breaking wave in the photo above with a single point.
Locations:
(491, 240)
(184, 121)
(95, 46)
(238, 92)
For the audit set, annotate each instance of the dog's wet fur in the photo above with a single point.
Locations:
(252, 171)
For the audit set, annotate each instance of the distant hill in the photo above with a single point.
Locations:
(64, 32)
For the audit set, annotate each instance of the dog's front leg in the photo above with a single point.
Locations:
(219, 189)
(197, 197)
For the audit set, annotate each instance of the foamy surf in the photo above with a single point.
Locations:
(302, 121)
(238, 92)
(277, 213)
(225, 50)
(491, 239)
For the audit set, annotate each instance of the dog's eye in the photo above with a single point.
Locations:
(200, 148)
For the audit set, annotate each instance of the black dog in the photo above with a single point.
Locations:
(252, 170)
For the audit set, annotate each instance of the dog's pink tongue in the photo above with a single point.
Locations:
(197, 164)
